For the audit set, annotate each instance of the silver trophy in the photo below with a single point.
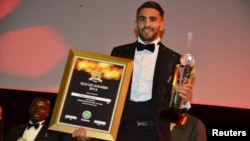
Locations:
(184, 74)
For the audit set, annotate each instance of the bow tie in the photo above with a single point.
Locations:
(35, 125)
(150, 47)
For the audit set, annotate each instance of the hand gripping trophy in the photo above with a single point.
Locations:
(184, 74)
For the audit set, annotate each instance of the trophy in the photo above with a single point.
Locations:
(184, 74)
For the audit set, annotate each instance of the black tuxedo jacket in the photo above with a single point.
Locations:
(166, 61)
(16, 132)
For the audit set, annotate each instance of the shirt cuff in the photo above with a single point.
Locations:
(186, 106)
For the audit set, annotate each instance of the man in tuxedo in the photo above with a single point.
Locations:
(151, 86)
(36, 128)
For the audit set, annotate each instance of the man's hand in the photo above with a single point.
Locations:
(80, 134)
(185, 91)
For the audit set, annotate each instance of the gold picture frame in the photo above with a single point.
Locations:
(92, 94)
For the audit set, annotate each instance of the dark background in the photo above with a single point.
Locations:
(16, 102)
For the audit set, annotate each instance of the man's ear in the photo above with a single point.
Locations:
(135, 29)
(162, 26)
(48, 113)
(135, 25)
(48, 110)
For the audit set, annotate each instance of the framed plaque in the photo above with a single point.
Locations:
(92, 94)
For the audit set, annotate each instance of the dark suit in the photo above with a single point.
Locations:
(16, 132)
(162, 83)
(192, 130)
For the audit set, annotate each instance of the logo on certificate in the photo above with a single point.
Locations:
(86, 115)
(96, 76)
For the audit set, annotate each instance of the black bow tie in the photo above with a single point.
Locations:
(150, 47)
(35, 125)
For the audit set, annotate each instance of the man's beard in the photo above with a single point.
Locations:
(147, 38)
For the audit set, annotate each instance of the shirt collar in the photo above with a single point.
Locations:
(40, 122)
(155, 41)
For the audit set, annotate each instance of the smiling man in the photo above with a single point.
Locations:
(36, 129)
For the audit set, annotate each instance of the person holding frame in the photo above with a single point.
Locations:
(151, 86)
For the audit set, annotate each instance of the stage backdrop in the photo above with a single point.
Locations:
(36, 35)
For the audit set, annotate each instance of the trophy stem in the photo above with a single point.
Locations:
(175, 101)
(183, 74)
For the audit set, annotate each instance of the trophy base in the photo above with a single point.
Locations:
(173, 115)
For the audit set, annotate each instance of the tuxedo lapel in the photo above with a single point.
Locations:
(125, 51)
(45, 134)
(19, 131)
(165, 66)
(131, 51)
(162, 87)
(41, 136)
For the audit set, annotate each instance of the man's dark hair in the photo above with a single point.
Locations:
(151, 4)
(41, 98)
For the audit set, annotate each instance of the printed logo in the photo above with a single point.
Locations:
(96, 76)
(86, 115)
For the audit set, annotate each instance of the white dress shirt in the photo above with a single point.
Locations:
(143, 73)
(31, 133)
